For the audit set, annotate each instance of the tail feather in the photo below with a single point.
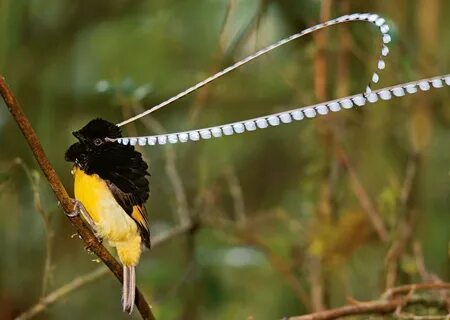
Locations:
(129, 288)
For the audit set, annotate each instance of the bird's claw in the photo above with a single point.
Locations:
(79, 208)
(98, 236)
(76, 209)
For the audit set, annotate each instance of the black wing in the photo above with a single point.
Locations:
(137, 212)
(125, 173)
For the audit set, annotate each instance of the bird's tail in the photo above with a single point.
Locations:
(129, 288)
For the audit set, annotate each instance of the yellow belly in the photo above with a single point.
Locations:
(112, 222)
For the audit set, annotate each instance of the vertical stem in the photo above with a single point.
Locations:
(192, 293)
(320, 63)
(428, 17)
(343, 55)
(324, 205)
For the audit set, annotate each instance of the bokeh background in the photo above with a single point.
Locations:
(286, 220)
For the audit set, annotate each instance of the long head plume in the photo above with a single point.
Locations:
(308, 112)
(375, 19)
(357, 100)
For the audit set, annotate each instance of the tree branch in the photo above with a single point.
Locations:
(375, 307)
(361, 195)
(361, 308)
(49, 233)
(416, 287)
(90, 277)
(61, 292)
(182, 207)
(62, 195)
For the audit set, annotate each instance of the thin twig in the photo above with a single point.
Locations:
(316, 283)
(182, 207)
(426, 275)
(61, 194)
(49, 233)
(345, 41)
(278, 263)
(363, 308)
(218, 55)
(320, 61)
(90, 277)
(408, 183)
(63, 291)
(399, 245)
(420, 263)
(410, 316)
(399, 308)
(363, 198)
(325, 203)
(417, 287)
(166, 236)
(405, 226)
(376, 307)
(247, 235)
(236, 194)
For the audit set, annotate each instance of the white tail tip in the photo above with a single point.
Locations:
(129, 288)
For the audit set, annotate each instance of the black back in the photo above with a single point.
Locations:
(122, 167)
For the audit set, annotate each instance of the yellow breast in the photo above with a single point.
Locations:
(112, 222)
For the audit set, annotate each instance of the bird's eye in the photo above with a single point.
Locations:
(98, 141)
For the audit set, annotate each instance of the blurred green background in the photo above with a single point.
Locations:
(285, 216)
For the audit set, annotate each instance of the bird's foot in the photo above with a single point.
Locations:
(80, 209)
(98, 236)
(76, 208)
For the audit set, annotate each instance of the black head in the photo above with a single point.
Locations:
(97, 132)
(92, 137)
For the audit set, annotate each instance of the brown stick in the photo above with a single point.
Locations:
(362, 308)
(90, 277)
(416, 287)
(278, 263)
(325, 204)
(61, 292)
(61, 194)
(376, 307)
(363, 198)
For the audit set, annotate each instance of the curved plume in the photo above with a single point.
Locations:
(307, 112)
(375, 19)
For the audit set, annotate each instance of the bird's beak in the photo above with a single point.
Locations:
(78, 135)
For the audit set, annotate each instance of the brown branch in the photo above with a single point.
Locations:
(90, 277)
(49, 233)
(182, 208)
(237, 196)
(278, 263)
(61, 194)
(320, 61)
(420, 263)
(203, 95)
(362, 308)
(325, 204)
(363, 198)
(374, 307)
(405, 227)
(409, 181)
(416, 287)
(316, 281)
(343, 65)
(245, 233)
(428, 276)
(63, 291)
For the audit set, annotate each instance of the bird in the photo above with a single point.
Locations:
(111, 188)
